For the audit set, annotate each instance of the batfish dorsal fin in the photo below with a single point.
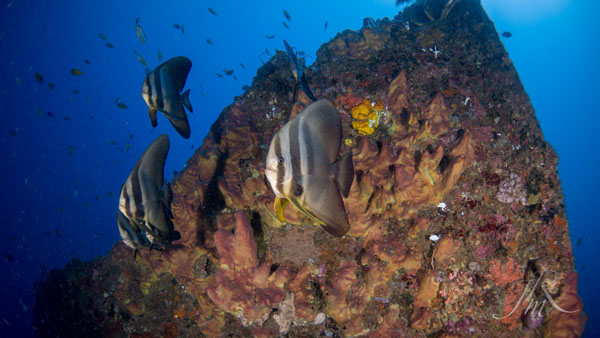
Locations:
(323, 200)
(151, 164)
(325, 127)
(177, 69)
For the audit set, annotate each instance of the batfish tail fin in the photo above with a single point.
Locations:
(343, 171)
(152, 113)
(185, 97)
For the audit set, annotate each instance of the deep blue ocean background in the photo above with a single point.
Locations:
(60, 175)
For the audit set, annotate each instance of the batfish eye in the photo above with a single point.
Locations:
(280, 161)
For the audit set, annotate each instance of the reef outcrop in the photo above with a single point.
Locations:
(458, 225)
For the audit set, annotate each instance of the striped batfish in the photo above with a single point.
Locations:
(302, 167)
(161, 90)
(144, 202)
(131, 234)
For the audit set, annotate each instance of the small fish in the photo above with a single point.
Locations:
(182, 30)
(122, 105)
(66, 118)
(287, 15)
(301, 53)
(75, 91)
(140, 33)
(235, 77)
(220, 75)
(161, 91)
(130, 135)
(39, 78)
(314, 185)
(70, 151)
(210, 41)
(137, 20)
(507, 34)
(144, 202)
(140, 58)
(245, 87)
(86, 61)
(51, 114)
(325, 25)
(212, 11)
(76, 72)
(8, 257)
(579, 241)
(13, 133)
(285, 25)
(176, 26)
(398, 2)
(116, 100)
(242, 65)
(109, 45)
(270, 36)
(51, 85)
(267, 51)
(18, 80)
(102, 36)
(228, 71)
(192, 147)
(127, 146)
(160, 56)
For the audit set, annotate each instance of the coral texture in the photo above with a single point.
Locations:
(457, 220)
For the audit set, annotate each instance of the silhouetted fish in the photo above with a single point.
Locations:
(269, 36)
(212, 11)
(109, 45)
(301, 167)
(161, 90)
(507, 34)
(39, 78)
(51, 85)
(76, 72)
(287, 15)
(144, 202)
(285, 25)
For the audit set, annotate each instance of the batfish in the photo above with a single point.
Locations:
(161, 90)
(144, 202)
(302, 167)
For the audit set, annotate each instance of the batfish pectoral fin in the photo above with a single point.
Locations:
(343, 171)
(323, 199)
(185, 98)
(279, 207)
(152, 113)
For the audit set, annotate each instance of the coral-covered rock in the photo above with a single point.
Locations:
(453, 152)
(242, 286)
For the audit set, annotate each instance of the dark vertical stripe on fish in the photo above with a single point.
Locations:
(150, 90)
(125, 197)
(136, 191)
(294, 143)
(280, 168)
(158, 88)
(308, 145)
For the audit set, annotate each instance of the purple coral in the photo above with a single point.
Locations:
(511, 190)
(532, 319)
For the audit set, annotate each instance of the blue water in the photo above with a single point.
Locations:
(60, 178)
